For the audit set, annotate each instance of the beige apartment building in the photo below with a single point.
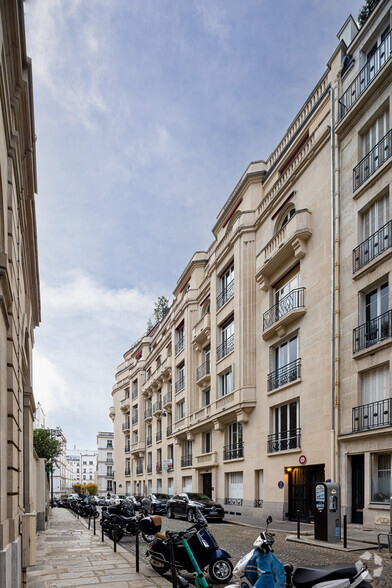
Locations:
(19, 301)
(271, 370)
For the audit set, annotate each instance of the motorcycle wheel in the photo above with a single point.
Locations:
(169, 513)
(160, 569)
(116, 533)
(148, 538)
(96, 514)
(220, 571)
(190, 515)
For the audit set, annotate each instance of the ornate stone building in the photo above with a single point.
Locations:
(19, 298)
(271, 370)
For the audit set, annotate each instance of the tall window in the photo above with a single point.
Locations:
(375, 133)
(227, 286)
(207, 442)
(374, 316)
(375, 385)
(226, 383)
(227, 339)
(205, 397)
(181, 410)
(381, 483)
(180, 384)
(180, 338)
(286, 364)
(286, 285)
(375, 217)
(286, 427)
(235, 486)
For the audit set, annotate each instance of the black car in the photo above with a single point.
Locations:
(185, 504)
(155, 503)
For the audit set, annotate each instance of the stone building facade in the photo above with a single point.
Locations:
(19, 299)
(105, 462)
(271, 371)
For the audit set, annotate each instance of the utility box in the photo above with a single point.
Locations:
(327, 517)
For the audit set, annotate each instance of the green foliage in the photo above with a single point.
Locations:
(81, 489)
(92, 489)
(366, 11)
(47, 447)
(161, 309)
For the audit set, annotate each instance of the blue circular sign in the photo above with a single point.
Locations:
(280, 484)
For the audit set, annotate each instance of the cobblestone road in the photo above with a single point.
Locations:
(238, 540)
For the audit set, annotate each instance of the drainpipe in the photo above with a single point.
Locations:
(332, 245)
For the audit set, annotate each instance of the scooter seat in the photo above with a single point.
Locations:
(307, 577)
(161, 535)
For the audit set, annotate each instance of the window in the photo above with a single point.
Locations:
(205, 397)
(226, 286)
(159, 486)
(91, 477)
(286, 433)
(90, 463)
(374, 316)
(235, 443)
(109, 486)
(207, 442)
(187, 484)
(235, 487)
(227, 339)
(170, 486)
(375, 233)
(180, 338)
(374, 134)
(135, 436)
(109, 444)
(126, 395)
(181, 410)
(286, 364)
(134, 389)
(225, 383)
(109, 471)
(286, 217)
(170, 452)
(375, 385)
(289, 283)
(381, 482)
(180, 384)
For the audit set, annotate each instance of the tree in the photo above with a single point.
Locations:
(366, 11)
(46, 447)
(161, 309)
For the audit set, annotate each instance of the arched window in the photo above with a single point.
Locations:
(286, 216)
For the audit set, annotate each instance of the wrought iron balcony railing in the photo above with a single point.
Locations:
(284, 440)
(233, 451)
(169, 431)
(126, 426)
(186, 460)
(135, 418)
(157, 406)
(369, 71)
(286, 374)
(148, 413)
(167, 398)
(149, 440)
(158, 436)
(180, 384)
(149, 468)
(139, 469)
(127, 471)
(372, 161)
(234, 501)
(225, 348)
(373, 415)
(225, 295)
(372, 247)
(203, 370)
(292, 300)
(373, 332)
(179, 346)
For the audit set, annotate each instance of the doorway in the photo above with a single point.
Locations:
(302, 481)
(358, 488)
(207, 485)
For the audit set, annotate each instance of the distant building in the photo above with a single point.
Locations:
(61, 475)
(105, 470)
(19, 300)
(39, 417)
(82, 464)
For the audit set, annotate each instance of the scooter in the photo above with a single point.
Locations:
(120, 520)
(201, 543)
(261, 569)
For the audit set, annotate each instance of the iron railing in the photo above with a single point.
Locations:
(179, 346)
(225, 295)
(372, 332)
(157, 406)
(149, 440)
(203, 370)
(258, 503)
(126, 426)
(135, 418)
(167, 398)
(139, 469)
(149, 468)
(292, 300)
(234, 501)
(369, 71)
(284, 440)
(372, 247)
(148, 413)
(286, 374)
(180, 384)
(169, 431)
(158, 436)
(372, 161)
(186, 460)
(233, 451)
(225, 348)
(373, 415)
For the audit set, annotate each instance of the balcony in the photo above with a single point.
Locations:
(149, 468)
(127, 471)
(148, 413)
(203, 373)
(186, 461)
(180, 385)
(127, 448)
(109, 460)
(157, 408)
(289, 243)
(167, 399)
(372, 247)
(282, 314)
(139, 470)
(201, 332)
(284, 441)
(135, 418)
(158, 467)
(126, 426)
(206, 460)
(285, 375)
(369, 71)
(158, 436)
(373, 415)
(179, 346)
(233, 451)
(373, 332)
(225, 295)
(169, 431)
(149, 440)
(225, 348)
(137, 448)
(372, 161)
(124, 405)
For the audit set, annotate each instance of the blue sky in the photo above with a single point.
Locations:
(147, 113)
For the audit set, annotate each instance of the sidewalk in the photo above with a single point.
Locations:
(68, 554)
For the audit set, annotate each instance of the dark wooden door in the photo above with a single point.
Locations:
(358, 488)
(207, 485)
(302, 482)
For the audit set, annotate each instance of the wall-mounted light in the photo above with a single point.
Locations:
(289, 469)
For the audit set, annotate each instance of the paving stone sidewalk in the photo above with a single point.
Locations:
(68, 554)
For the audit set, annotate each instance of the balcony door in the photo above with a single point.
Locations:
(287, 284)
(376, 314)
(375, 217)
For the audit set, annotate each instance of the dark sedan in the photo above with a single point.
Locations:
(155, 503)
(185, 504)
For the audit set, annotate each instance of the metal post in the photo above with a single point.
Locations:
(94, 525)
(345, 531)
(298, 526)
(89, 521)
(102, 532)
(51, 487)
(114, 539)
(172, 563)
(137, 548)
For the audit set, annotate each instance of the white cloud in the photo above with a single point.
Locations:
(51, 388)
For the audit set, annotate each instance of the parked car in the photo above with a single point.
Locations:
(93, 499)
(185, 504)
(135, 501)
(114, 499)
(103, 501)
(155, 503)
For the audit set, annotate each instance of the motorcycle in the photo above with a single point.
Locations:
(121, 520)
(261, 569)
(201, 543)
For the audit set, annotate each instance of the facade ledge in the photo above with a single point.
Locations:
(372, 350)
(372, 179)
(233, 460)
(387, 430)
(284, 452)
(378, 506)
(289, 385)
(372, 265)
(204, 381)
(201, 332)
(224, 357)
(289, 243)
(279, 329)
(206, 460)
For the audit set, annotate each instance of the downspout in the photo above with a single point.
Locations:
(332, 246)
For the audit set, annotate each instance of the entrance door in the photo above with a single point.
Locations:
(302, 481)
(358, 485)
(207, 485)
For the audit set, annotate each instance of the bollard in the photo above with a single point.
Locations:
(137, 549)
(89, 521)
(94, 525)
(345, 531)
(298, 526)
(172, 564)
(102, 531)
(114, 539)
